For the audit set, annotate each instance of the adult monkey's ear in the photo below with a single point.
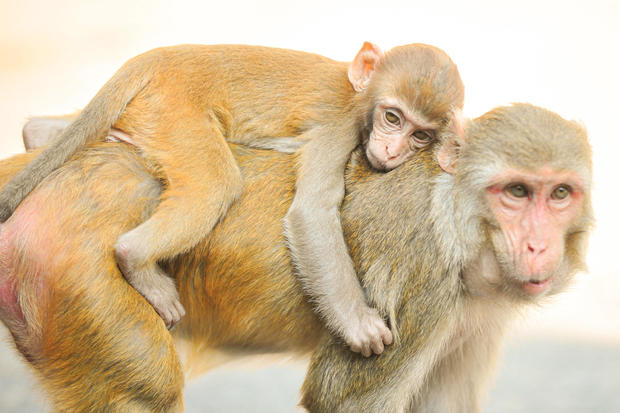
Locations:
(364, 65)
(40, 131)
(452, 142)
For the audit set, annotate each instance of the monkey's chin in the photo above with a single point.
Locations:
(535, 287)
(374, 162)
(383, 166)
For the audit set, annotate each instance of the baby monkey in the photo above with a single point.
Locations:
(180, 105)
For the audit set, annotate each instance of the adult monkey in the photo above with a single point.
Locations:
(504, 223)
(181, 104)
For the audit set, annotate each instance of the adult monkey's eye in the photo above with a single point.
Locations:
(518, 190)
(392, 118)
(561, 192)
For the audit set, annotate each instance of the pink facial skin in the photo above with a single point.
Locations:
(534, 212)
(396, 135)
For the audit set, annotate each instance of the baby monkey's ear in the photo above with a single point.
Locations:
(364, 65)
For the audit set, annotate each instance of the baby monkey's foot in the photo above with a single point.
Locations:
(366, 332)
(153, 283)
(165, 300)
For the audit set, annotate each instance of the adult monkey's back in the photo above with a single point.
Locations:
(436, 264)
(181, 104)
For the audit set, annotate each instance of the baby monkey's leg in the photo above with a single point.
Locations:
(203, 180)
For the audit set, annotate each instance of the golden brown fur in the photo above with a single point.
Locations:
(419, 264)
(180, 105)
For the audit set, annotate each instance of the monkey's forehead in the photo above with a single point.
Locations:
(528, 134)
(427, 82)
(543, 176)
(490, 156)
(423, 96)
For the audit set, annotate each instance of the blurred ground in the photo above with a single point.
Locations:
(537, 375)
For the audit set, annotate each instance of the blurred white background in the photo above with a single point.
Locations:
(562, 55)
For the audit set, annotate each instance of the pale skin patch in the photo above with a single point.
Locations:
(31, 228)
(117, 135)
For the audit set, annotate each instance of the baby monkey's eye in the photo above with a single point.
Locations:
(423, 136)
(518, 190)
(560, 192)
(392, 118)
